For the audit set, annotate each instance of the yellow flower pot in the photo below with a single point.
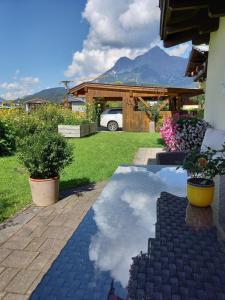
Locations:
(198, 194)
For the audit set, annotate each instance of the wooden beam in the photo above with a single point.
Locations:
(216, 8)
(179, 38)
(187, 4)
(147, 106)
(201, 39)
(209, 25)
(149, 94)
(199, 20)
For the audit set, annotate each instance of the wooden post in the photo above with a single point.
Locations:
(89, 105)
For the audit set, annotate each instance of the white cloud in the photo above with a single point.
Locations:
(20, 87)
(125, 215)
(117, 28)
(29, 80)
(179, 50)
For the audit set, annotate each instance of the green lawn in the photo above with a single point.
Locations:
(95, 159)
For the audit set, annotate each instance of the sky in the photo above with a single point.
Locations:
(45, 41)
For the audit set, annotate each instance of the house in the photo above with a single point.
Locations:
(34, 104)
(77, 104)
(134, 100)
(197, 63)
(202, 22)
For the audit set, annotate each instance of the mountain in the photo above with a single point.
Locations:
(154, 67)
(55, 95)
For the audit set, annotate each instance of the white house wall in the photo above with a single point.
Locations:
(215, 87)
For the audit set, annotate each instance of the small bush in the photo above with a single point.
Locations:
(50, 115)
(45, 154)
(7, 138)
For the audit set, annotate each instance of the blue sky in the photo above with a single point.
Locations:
(38, 38)
(45, 41)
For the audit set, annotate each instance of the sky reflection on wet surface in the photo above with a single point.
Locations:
(114, 230)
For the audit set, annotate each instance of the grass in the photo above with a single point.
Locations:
(95, 159)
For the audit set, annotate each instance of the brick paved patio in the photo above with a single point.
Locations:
(31, 241)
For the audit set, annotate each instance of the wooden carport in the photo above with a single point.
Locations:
(133, 119)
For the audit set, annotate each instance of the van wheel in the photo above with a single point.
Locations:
(112, 126)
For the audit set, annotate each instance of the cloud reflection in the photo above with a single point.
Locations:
(125, 215)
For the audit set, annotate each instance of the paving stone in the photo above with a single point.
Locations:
(38, 231)
(47, 211)
(60, 204)
(50, 262)
(35, 244)
(7, 232)
(35, 283)
(23, 218)
(22, 281)
(2, 294)
(4, 253)
(58, 232)
(40, 261)
(144, 155)
(52, 246)
(11, 296)
(6, 276)
(43, 233)
(19, 259)
(59, 220)
(17, 242)
(73, 223)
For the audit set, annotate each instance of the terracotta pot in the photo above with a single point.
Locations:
(44, 191)
(198, 194)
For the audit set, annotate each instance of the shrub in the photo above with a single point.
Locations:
(183, 134)
(46, 117)
(7, 138)
(45, 154)
(74, 121)
(51, 115)
(26, 124)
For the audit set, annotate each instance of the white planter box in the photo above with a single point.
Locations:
(74, 131)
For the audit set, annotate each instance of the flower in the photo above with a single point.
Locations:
(183, 134)
(206, 164)
(202, 162)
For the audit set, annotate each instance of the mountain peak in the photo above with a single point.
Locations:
(155, 67)
(156, 50)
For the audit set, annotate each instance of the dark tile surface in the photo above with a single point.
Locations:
(183, 261)
(73, 275)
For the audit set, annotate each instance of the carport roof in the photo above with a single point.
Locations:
(84, 87)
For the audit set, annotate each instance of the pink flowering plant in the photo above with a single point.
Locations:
(168, 134)
(183, 134)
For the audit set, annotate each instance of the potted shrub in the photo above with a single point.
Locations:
(44, 154)
(202, 168)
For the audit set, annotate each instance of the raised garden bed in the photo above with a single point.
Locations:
(77, 131)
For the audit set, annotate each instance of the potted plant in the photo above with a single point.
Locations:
(44, 154)
(202, 167)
